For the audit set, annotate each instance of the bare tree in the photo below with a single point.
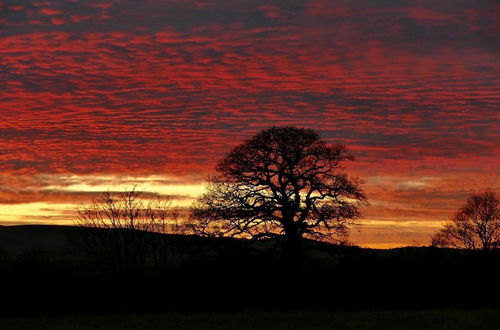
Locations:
(283, 182)
(119, 230)
(475, 226)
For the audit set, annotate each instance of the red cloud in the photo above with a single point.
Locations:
(50, 11)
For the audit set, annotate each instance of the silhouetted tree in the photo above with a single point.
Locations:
(475, 226)
(283, 182)
(119, 230)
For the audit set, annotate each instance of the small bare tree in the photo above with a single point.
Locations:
(118, 230)
(475, 226)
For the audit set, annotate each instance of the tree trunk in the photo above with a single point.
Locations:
(292, 250)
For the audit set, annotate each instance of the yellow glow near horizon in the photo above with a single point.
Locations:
(379, 231)
(153, 183)
(39, 212)
(59, 212)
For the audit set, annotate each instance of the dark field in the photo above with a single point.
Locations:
(208, 283)
(338, 320)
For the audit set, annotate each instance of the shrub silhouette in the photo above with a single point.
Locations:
(120, 231)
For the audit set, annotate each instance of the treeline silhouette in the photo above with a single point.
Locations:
(224, 274)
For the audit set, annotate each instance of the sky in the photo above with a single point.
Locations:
(105, 95)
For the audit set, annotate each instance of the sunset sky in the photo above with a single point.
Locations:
(104, 95)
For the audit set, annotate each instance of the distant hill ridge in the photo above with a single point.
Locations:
(55, 239)
(26, 238)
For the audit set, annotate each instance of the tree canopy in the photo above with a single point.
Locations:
(284, 181)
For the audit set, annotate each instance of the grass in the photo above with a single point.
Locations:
(303, 320)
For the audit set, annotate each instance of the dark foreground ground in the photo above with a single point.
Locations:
(452, 319)
(192, 282)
